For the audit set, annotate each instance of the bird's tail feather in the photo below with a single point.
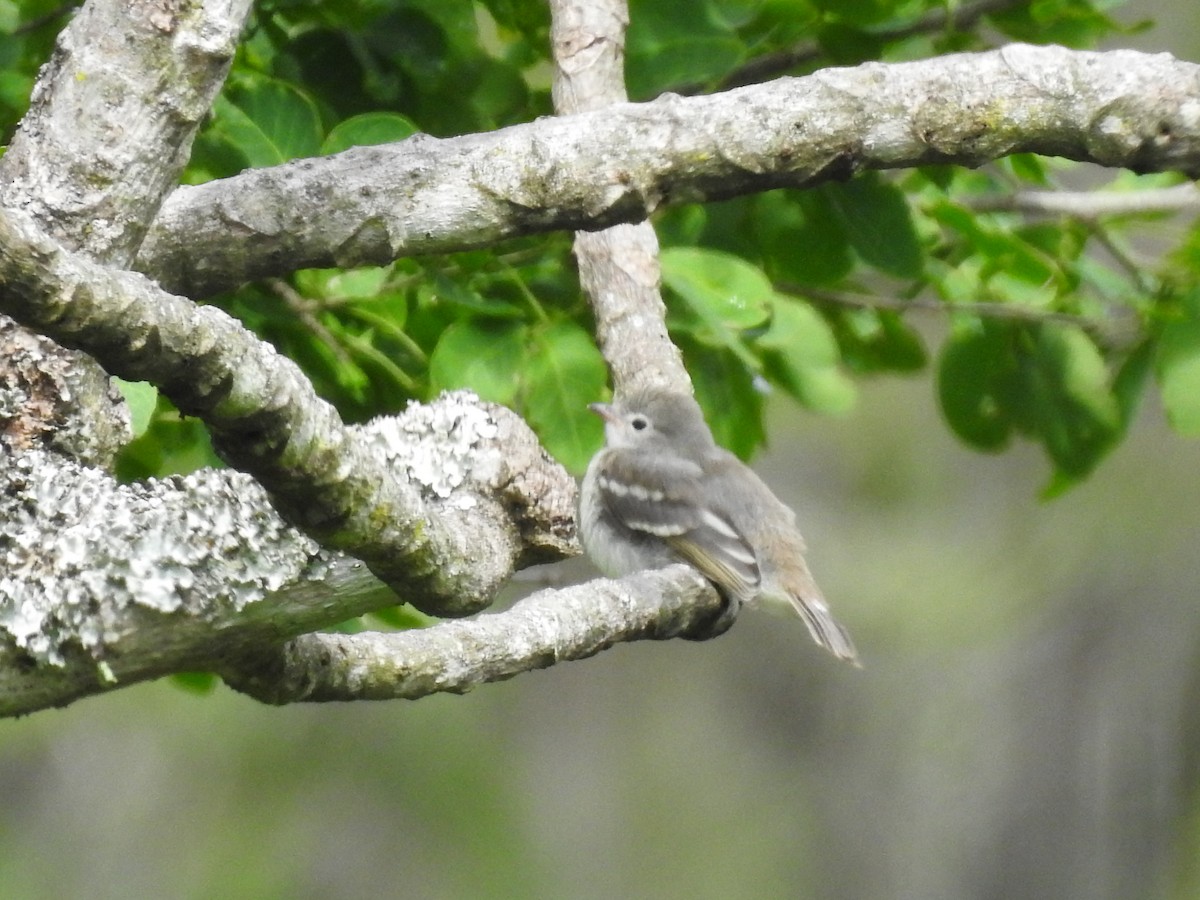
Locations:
(825, 629)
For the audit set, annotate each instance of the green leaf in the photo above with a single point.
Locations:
(268, 121)
(487, 356)
(676, 42)
(368, 129)
(1001, 249)
(142, 398)
(801, 353)
(879, 224)
(768, 24)
(1178, 367)
(1130, 384)
(170, 445)
(726, 391)
(1069, 22)
(974, 365)
(724, 294)
(442, 291)
(1028, 167)
(402, 617)
(731, 227)
(723, 289)
(1005, 287)
(682, 61)
(799, 331)
(362, 283)
(898, 347)
(1048, 380)
(10, 17)
(15, 88)
(532, 19)
(1059, 242)
(877, 341)
(848, 44)
(500, 93)
(1068, 401)
(825, 390)
(681, 224)
(863, 12)
(801, 238)
(566, 372)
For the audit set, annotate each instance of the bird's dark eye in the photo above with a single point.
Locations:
(639, 423)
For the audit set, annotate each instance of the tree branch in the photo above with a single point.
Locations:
(1092, 205)
(619, 272)
(98, 150)
(589, 171)
(104, 584)
(545, 628)
(984, 309)
(49, 400)
(618, 267)
(91, 162)
(375, 204)
(265, 418)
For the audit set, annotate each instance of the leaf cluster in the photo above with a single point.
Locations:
(1045, 329)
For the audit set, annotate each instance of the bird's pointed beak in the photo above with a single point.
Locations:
(604, 411)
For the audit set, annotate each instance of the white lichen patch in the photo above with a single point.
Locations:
(1189, 114)
(441, 445)
(79, 551)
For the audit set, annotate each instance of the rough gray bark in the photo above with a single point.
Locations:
(619, 275)
(104, 584)
(57, 399)
(542, 630)
(91, 162)
(618, 267)
(87, 173)
(65, 630)
(111, 121)
(588, 171)
(265, 417)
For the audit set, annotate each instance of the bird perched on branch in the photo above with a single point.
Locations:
(661, 491)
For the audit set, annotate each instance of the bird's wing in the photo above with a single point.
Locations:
(784, 573)
(668, 497)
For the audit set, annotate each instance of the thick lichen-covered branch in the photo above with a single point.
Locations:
(589, 171)
(90, 162)
(265, 419)
(104, 584)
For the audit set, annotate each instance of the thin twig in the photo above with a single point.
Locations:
(1120, 256)
(546, 628)
(983, 308)
(772, 65)
(304, 309)
(1092, 205)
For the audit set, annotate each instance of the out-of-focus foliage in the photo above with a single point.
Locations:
(1055, 327)
(1029, 688)
(27, 32)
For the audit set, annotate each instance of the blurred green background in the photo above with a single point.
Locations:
(1027, 723)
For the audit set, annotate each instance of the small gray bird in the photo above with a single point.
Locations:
(661, 491)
